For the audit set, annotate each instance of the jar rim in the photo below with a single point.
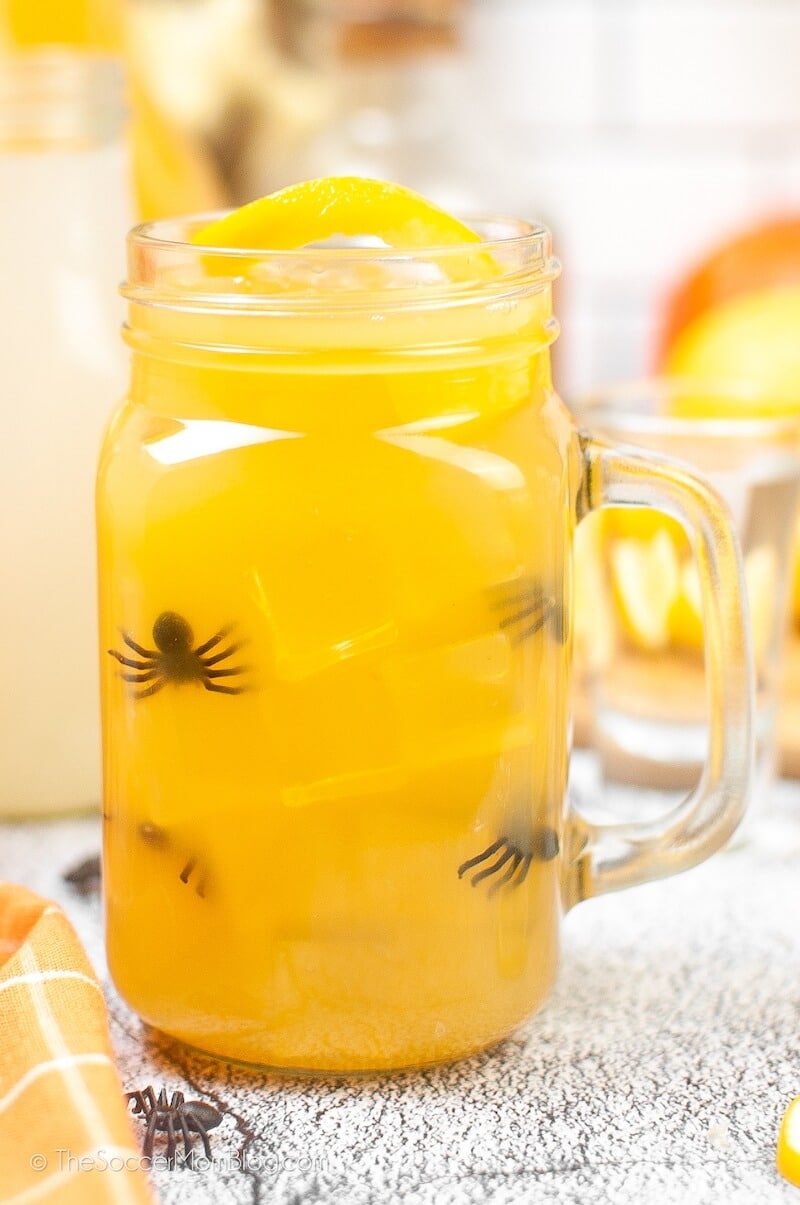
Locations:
(159, 251)
(637, 407)
(171, 232)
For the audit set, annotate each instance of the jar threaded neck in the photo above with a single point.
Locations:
(55, 97)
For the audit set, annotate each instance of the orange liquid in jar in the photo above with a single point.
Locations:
(379, 531)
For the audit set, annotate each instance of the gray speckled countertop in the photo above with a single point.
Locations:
(657, 1073)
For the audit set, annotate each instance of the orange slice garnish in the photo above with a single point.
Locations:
(350, 206)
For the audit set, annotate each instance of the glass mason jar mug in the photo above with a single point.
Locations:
(336, 515)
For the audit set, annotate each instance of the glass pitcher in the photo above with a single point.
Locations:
(336, 517)
(64, 209)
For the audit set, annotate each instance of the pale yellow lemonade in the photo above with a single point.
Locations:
(363, 525)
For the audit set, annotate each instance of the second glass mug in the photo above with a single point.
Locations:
(335, 521)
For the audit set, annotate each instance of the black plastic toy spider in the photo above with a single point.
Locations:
(174, 1117)
(529, 608)
(85, 877)
(542, 847)
(174, 660)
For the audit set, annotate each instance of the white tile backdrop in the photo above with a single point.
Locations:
(643, 132)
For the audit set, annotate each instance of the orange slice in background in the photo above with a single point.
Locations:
(760, 575)
(643, 522)
(766, 255)
(657, 593)
(351, 206)
(686, 616)
(645, 577)
(751, 338)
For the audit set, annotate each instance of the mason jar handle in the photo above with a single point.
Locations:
(607, 857)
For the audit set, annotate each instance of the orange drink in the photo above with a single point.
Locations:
(352, 504)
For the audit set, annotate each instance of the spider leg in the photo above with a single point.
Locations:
(171, 1142)
(487, 853)
(490, 870)
(140, 676)
(177, 1110)
(203, 1132)
(210, 644)
(540, 612)
(200, 887)
(149, 1134)
(228, 652)
(138, 648)
(148, 664)
(535, 626)
(224, 690)
(559, 623)
(150, 690)
(188, 1141)
(529, 609)
(138, 1101)
(525, 867)
(226, 673)
(506, 594)
(527, 598)
(186, 873)
(509, 874)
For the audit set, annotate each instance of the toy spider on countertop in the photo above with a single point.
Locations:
(175, 1117)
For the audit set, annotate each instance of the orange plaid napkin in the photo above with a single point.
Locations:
(64, 1130)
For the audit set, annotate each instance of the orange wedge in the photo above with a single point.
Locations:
(645, 576)
(752, 337)
(351, 206)
(787, 1157)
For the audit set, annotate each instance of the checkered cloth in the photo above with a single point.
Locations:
(64, 1130)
